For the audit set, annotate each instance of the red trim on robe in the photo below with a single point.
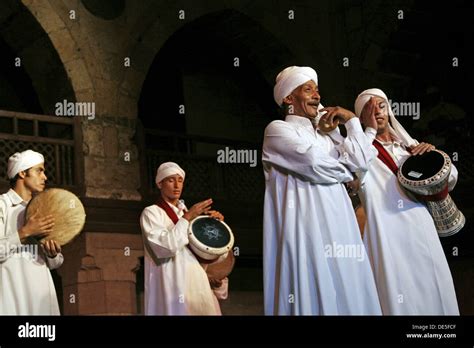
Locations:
(168, 210)
(384, 156)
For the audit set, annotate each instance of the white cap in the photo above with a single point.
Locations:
(22, 161)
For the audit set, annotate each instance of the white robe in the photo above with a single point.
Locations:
(175, 282)
(410, 268)
(26, 285)
(308, 216)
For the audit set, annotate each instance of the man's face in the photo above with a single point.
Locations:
(171, 187)
(381, 115)
(304, 100)
(35, 178)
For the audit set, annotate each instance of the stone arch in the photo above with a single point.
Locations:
(33, 39)
(54, 19)
(203, 54)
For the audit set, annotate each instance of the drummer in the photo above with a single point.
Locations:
(26, 285)
(410, 268)
(175, 282)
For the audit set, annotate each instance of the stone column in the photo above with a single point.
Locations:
(99, 274)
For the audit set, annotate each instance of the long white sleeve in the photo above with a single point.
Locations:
(453, 177)
(55, 262)
(164, 242)
(9, 240)
(356, 149)
(285, 148)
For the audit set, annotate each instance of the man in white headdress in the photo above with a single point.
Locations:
(175, 282)
(410, 268)
(26, 285)
(314, 259)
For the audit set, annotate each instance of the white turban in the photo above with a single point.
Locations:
(166, 169)
(22, 161)
(395, 127)
(289, 79)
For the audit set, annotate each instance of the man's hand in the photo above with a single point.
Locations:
(333, 112)
(367, 116)
(353, 187)
(215, 283)
(215, 214)
(421, 149)
(198, 209)
(51, 248)
(37, 226)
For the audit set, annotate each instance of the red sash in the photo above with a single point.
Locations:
(168, 210)
(385, 157)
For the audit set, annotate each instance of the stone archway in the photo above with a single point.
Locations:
(217, 67)
(34, 45)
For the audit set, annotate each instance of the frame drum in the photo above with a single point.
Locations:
(67, 210)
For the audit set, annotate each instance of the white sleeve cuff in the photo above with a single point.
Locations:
(371, 133)
(353, 126)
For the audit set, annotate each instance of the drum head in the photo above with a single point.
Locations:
(209, 238)
(422, 167)
(211, 232)
(67, 209)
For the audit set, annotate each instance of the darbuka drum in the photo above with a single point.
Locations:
(210, 240)
(67, 210)
(427, 177)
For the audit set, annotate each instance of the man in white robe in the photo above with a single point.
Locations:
(314, 259)
(26, 285)
(175, 282)
(410, 268)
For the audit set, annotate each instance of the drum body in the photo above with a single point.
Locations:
(427, 177)
(67, 210)
(210, 238)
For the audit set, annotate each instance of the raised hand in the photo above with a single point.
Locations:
(198, 209)
(367, 116)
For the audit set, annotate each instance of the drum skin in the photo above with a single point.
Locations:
(211, 241)
(209, 238)
(67, 210)
(427, 177)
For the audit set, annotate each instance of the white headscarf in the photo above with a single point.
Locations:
(22, 161)
(289, 79)
(166, 169)
(395, 127)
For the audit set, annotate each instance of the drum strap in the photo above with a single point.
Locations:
(385, 157)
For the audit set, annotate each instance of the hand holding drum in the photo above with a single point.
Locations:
(55, 214)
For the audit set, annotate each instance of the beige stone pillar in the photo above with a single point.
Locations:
(99, 274)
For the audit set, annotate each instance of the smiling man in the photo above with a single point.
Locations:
(175, 281)
(307, 209)
(26, 285)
